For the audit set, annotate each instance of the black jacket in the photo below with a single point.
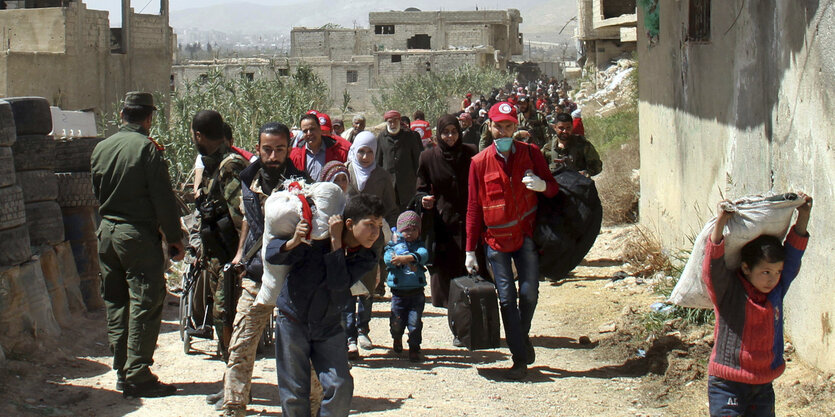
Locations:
(254, 213)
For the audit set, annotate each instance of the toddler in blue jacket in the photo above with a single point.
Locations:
(405, 258)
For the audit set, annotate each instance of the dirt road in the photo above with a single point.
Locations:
(570, 378)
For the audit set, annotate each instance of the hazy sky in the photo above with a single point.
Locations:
(152, 6)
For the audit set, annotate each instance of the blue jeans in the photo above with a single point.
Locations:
(295, 348)
(516, 319)
(355, 320)
(407, 311)
(729, 398)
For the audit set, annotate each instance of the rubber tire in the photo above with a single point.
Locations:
(31, 115)
(45, 223)
(7, 127)
(33, 152)
(7, 173)
(12, 211)
(75, 189)
(14, 246)
(183, 318)
(38, 186)
(74, 155)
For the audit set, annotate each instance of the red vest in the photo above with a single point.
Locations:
(422, 127)
(509, 208)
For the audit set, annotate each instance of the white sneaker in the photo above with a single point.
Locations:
(353, 352)
(365, 342)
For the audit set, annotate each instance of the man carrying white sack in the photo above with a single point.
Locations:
(259, 180)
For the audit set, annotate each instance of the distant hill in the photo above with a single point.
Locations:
(539, 16)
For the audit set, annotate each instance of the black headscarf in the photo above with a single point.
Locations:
(453, 152)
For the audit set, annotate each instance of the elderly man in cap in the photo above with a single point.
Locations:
(398, 151)
(504, 181)
(136, 202)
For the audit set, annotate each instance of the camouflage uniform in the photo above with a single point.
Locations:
(536, 126)
(579, 155)
(224, 166)
(131, 183)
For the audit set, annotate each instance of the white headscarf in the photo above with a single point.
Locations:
(361, 173)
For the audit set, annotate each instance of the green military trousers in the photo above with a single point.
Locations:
(133, 288)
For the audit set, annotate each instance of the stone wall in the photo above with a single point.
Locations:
(746, 111)
(64, 54)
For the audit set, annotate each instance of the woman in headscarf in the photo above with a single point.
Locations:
(443, 172)
(365, 177)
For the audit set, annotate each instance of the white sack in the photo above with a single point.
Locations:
(282, 213)
(753, 216)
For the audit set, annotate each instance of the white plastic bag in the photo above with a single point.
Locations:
(282, 213)
(753, 216)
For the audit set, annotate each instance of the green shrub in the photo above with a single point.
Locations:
(244, 104)
(432, 92)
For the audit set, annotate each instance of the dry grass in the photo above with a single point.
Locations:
(617, 186)
(644, 252)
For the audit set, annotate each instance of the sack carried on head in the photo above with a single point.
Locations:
(283, 210)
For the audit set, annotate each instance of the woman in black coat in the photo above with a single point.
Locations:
(442, 175)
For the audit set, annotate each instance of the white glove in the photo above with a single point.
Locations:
(533, 182)
(470, 263)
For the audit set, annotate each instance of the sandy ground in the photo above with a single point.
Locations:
(72, 377)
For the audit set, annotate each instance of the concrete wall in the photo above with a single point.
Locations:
(749, 111)
(64, 54)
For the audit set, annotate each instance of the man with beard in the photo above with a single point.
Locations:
(570, 151)
(259, 180)
(398, 151)
(532, 122)
(219, 208)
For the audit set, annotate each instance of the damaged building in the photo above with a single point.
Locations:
(69, 54)
(358, 61)
(606, 29)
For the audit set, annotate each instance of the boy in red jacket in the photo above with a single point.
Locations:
(748, 349)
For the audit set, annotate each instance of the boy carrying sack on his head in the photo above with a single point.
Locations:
(311, 302)
(405, 258)
(748, 350)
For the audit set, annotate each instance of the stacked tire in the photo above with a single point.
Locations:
(29, 217)
(14, 235)
(34, 161)
(79, 207)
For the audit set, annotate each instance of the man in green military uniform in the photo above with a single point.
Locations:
(221, 216)
(136, 202)
(532, 122)
(570, 151)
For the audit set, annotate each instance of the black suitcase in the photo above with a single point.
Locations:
(474, 312)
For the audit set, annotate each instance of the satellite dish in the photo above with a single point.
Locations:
(412, 9)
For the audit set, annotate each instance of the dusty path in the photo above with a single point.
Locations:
(568, 378)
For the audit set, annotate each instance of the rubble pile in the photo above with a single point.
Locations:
(611, 90)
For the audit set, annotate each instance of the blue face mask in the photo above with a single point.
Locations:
(503, 144)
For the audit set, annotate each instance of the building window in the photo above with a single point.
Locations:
(283, 72)
(698, 29)
(352, 76)
(249, 76)
(396, 58)
(617, 8)
(384, 29)
(419, 41)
